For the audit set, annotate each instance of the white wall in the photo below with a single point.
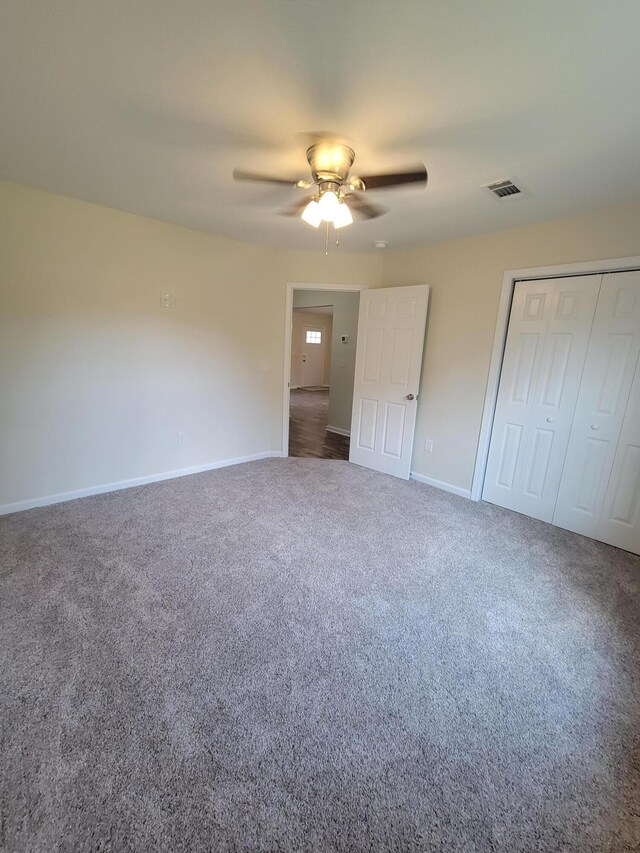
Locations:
(301, 320)
(343, 356)
(97, 378)
(466, 279)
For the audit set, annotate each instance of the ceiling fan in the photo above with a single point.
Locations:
(336, 194)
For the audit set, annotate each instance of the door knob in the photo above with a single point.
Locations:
(410, 397)
(549, 420)
(595, 426)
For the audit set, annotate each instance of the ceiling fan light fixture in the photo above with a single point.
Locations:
(328, 205)
(311, 214)
(342, 216)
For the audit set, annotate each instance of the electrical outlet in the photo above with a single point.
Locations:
(165, 300)
(182, 438)
(428, 445)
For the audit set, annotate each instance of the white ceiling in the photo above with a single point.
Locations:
(147, 106)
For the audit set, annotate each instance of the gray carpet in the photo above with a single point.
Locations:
(302, 655)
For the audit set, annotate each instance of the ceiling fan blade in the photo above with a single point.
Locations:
(241, 175)
(297, 208)
(418, 175)
(363, 208)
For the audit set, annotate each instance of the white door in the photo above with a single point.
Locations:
(391, 328)
(601, 410)
(312, 355)
(544, 356)
(620, 518)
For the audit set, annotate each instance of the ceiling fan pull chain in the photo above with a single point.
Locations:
(326, 243)
(337, 238)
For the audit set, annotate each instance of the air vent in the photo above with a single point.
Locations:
(503, 189)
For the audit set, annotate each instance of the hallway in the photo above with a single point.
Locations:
(307, 427)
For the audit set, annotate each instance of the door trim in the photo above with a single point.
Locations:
(288, 324)
(509, 280)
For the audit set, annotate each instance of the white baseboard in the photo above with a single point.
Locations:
(438, 484)
(339, 431)
(5, 509)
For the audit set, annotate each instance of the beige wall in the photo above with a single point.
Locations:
(301, 320)
(337, 268)
(466, 277)
(97, 378)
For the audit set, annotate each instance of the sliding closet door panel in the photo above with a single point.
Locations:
(603, 402)
(544, 356)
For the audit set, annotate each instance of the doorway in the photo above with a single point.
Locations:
(323, 326)
(311, 350)
(374, 386)
(311, 334)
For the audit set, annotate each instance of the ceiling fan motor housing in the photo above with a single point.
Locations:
(330, 164)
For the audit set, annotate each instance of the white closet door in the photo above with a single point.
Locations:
(544, 356)
(602, 404)
(620, 519)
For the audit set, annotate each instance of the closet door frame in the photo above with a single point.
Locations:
(509, 280)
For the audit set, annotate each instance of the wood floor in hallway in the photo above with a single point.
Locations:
(308, 436)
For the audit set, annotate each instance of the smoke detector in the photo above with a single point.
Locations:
(503, 189)
(381, 244)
